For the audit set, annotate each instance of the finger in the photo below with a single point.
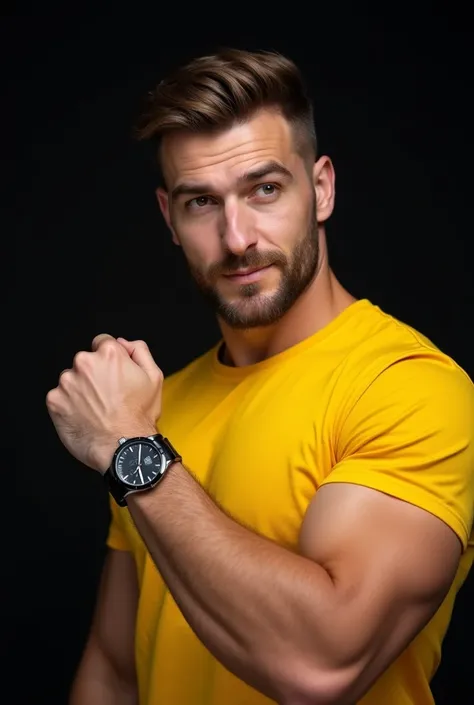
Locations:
(126, 344)
(65, 378)
(141, 355)
(53, 401)
(99, 339)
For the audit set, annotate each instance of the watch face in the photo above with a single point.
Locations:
(139, 463)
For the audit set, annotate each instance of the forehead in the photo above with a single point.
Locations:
(223, 156)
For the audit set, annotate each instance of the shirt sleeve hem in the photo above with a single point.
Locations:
(405, 492)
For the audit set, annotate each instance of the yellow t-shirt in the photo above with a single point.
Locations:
(366, 400)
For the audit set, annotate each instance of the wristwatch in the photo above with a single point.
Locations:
(139, 464)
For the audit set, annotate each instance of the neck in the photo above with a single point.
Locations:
(321, 303)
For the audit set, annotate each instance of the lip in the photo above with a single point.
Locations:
(245, 276)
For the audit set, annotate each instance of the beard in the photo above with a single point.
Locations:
(253, 308)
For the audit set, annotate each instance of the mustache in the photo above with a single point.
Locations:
(252, 258)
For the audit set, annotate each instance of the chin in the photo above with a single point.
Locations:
(256, 312)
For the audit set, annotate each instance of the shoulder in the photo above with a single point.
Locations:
(398, 375)
(407, 426)
(390, 354)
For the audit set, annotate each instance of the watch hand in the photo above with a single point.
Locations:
(141, 476)
(139, 454)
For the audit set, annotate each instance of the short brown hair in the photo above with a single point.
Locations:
(213, 92)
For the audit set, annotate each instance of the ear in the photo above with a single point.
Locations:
(324, 180)
(163, 201)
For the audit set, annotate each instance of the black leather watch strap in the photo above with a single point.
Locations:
(170, 453)
(116, 489)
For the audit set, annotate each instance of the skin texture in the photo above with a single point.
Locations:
(258, 224)
(314, 627)
(234, 223)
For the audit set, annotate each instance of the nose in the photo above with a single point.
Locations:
(238, 229)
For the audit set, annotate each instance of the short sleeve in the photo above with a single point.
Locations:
(410, 435)
(116, 537)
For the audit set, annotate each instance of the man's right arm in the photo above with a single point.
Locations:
(106, 673)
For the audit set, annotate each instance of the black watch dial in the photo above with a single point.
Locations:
(138, 463)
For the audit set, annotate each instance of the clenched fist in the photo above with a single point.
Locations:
(111, 392)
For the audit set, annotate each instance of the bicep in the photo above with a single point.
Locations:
(391, 564)
(113, 625)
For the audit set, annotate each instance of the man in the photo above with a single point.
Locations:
(299, 530)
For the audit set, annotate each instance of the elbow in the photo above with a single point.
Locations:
(316, 687)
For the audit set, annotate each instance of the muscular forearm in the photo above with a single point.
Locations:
(267, 614)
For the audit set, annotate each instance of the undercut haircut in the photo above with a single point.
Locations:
(212, 93)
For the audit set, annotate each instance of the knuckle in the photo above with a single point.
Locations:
(158, 376)
(52, 399)
(65, 378)
(109, 348)
(81, 359)
(140, 345)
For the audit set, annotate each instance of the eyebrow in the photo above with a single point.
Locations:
(260, 172)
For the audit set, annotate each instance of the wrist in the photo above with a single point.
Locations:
(103, 456)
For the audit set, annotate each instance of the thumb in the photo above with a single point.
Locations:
(140, 354)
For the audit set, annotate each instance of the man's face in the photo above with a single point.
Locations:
(242, 205)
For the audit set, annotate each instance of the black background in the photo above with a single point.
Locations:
(392, 98)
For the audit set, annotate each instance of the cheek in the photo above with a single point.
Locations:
(280, 228)
(201, 246)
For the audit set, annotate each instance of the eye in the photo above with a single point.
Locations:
(198, 202)
(267, 190)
